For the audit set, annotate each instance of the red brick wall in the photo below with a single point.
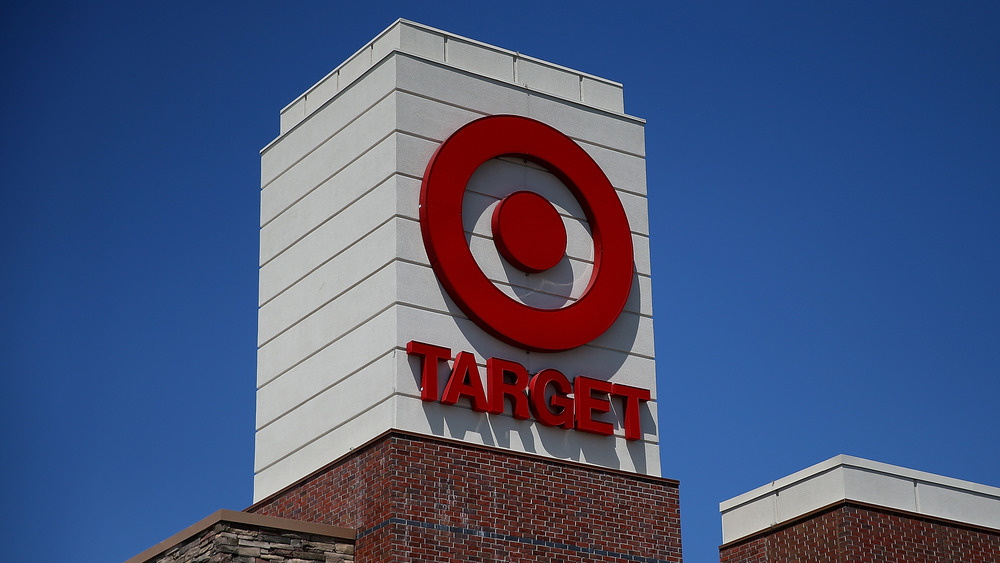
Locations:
(854, 534)
(421, 499)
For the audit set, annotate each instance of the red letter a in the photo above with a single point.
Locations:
(465, 381)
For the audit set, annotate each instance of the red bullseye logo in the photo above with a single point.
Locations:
(528, 233)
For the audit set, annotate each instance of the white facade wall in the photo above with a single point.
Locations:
(345, 282)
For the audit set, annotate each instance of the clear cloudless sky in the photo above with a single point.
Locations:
(824, 191)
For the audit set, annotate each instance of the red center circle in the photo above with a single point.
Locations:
(528, 232)
(441, 226)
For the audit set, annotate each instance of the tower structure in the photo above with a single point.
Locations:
(455, 327)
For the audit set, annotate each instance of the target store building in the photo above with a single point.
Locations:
(455, 349)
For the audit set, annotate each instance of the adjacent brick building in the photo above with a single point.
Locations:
(848, 510)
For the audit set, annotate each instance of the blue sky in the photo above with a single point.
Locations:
(824, 193)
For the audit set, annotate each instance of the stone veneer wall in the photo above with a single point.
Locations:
(238, 537)
(849, 533)
(416, 498)
(237, 543)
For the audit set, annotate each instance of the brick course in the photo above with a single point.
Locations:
(851, 533)
(417, 498)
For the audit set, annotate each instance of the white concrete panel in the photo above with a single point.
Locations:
(409, 244)
(489, 98)
(640, 298)
(292, 115)
(880, 489)
(351, 70)
(636, 211)
(413, 154)
(473, 93)
(290, 148)
(331, 238)
(640, 246)
(746, 519)
(338, 361)
(330, 409)
(408, 197)
(493, 63)
(323, 450)
(407, 37)
(330, 198)
(602, 94)
(327, 282)
(969, 506)
(321, 93)
(387, 42)
(627, 172)
(632, 334)
(816, 491)
(419, 288)
(358, 305)
(547, 79)
(422, 41)
(430, 119)
(322, 163)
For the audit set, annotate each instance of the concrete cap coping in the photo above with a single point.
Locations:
(480, 58)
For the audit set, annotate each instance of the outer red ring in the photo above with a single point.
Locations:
(441, 193)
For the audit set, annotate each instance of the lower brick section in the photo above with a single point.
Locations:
(416, 498)
(849, 533)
